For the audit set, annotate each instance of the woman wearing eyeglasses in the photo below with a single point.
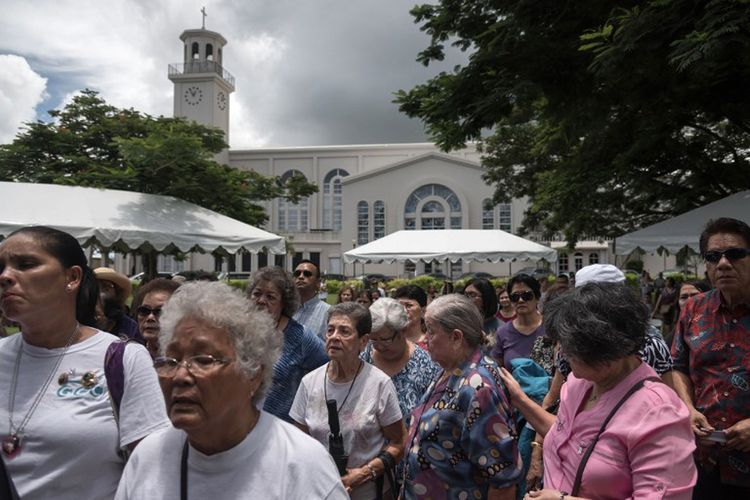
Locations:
(58, 435)
(372, 428)
(302, 351)
(147, 306)
(515, 339)
(410, 367)
(218, 354)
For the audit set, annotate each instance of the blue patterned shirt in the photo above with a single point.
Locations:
(314, 315)
(301, 353)
(413, 380)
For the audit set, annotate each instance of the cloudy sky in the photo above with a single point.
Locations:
(308, 72)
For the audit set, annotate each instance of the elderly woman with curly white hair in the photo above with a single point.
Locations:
(218, 356)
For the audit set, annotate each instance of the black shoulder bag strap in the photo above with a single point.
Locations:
(590, 449)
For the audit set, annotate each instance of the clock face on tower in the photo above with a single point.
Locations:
(221, 101)
(193, 95)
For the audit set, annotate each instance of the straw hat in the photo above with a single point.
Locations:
(120, 280)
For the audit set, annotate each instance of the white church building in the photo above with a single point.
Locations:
(365, 191)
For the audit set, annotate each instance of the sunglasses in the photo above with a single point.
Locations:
(146, 311)
(732, 254)
(526, 296)
(300, 272)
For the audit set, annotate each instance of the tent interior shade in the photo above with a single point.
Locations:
(108, 217)
(684, 230)
(449, 244)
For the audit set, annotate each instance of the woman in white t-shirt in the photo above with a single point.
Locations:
(58, 435)
(372, 427)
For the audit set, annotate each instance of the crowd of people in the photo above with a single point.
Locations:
(522, 391)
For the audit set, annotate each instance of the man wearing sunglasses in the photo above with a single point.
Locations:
(711, 351)
(313, 313)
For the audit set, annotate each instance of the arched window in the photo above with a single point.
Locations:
(433, 206)
(562, 262)
(378, 220)
(195, 51)
(293, 217)
(488, 214)
(209, 52)
(578, 261)
(593, 258)
(363, 223)
(332, 199)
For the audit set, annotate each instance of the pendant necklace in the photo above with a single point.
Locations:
(11, 443)
(325, 384)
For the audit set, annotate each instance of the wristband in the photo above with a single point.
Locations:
(372, 471)
(562, 495)
(537, 443)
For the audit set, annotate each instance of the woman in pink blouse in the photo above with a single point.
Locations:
(619, 432)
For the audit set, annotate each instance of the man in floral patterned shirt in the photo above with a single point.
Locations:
(711, 352)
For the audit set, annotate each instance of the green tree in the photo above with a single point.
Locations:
(91, 143)
(609, 115)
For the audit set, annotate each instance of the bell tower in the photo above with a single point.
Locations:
(201, 84)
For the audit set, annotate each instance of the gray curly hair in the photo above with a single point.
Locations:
(251, 329)
(387, 312)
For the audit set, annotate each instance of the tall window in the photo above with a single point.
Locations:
(488, 215)
(593, 258)
(378, 220)
(562, 262)
(578, 261)
(293, 217)
(432, 206)
(497, 217)
(363, 223)
(505, 217)
(332, 199)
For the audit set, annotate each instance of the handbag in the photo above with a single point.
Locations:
(585, 458)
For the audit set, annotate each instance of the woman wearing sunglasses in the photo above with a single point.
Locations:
(218, 355)
(410, 367)
(147, 307)
(515, 339)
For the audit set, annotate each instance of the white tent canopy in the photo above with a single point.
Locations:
(106, 217)
(684, 230)
(451, 244)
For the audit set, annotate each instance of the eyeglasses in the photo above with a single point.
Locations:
(305, 272)
(732, 254)
(526, 296)
(473, 295)
(385, 341)
(146, 311)
(345, 333)
(200, 365)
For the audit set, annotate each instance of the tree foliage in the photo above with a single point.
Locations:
(91, 143)
(608, 115)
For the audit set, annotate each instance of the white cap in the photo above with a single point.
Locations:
(599, 273)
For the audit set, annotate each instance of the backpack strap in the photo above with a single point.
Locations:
(590, 449)
(114, 372)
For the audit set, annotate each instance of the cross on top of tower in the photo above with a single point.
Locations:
(203, 11)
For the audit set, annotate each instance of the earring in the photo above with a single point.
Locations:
(69, 287)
